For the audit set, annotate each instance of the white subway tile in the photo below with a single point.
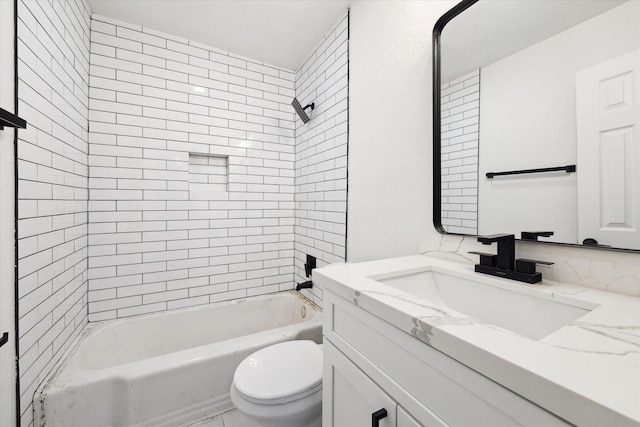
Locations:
(146, 79)
(210, 83)
(162, 34)
(110, 128)
(227, 96)
(118, 42)
(209, 65)
(164, 74)
(137, 59)
(119, 86)
(263, 69)
(101, 94)
(124, 270)
(187, 127)
(186, 69)
(140, 289)
(110, 260)
(186, 49)
(96, 70)
(125, 227)
(110, 172)
(225, 59)
(165, 93)
(149, 122)
(141, 309)
(115, 303)
(165, 53)
(121, 62)
(141, 37)
(165, 296)
(115, 22)
(164, 275)
(103, 27)
(165, 134)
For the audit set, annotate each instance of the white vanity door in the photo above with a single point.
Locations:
(406, 420)
(608, 116)
(349, 396)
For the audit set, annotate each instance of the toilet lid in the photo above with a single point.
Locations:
(281, 372)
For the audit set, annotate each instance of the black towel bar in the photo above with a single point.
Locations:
(567, 169)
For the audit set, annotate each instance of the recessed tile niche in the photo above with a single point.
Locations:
(207, 175)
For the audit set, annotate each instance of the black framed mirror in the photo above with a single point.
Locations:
(536, 122)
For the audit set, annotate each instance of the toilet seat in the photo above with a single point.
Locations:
(280, 373)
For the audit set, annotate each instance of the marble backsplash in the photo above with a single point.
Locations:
(614, 271)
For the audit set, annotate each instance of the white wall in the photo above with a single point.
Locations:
(321, 156)
(7, 241)
(53, 89)
(538, 85)
(390, 127)
(390, 185)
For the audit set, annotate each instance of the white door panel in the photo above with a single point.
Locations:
(608, 120)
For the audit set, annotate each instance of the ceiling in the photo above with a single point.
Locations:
(493, 29)
(276, 32)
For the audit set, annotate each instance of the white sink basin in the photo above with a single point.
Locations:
(527, 315)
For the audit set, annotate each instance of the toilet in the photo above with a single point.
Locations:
(281, 385)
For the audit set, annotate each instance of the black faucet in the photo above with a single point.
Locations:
(506, 249)
(505, 264)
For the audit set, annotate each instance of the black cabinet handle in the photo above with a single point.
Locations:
(377, 416)
(4, 339)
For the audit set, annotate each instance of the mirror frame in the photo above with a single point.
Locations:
(437, 142)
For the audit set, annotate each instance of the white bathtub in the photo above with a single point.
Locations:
(170, 368)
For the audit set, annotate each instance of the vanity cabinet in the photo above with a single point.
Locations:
(352, 396)
(353, 399)
(371, 365)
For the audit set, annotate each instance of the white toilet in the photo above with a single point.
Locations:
(281, 385)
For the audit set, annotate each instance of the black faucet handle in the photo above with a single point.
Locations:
(490, 260)
(310, 265)
(528, 266)
(487, 240)
(533, 235)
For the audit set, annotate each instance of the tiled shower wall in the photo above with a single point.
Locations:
(460, 112)
(53, 72)
(193, 167)
(321, 156)
(192, 156)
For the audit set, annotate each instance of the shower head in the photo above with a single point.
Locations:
(300, 109)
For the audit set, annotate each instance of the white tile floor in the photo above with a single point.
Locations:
(228, 419)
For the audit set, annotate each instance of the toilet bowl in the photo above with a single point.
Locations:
(281, 385)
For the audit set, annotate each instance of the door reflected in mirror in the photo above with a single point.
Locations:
(539, 122)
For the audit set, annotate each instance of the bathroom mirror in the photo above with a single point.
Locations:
(536, 120)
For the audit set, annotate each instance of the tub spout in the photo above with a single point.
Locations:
(304, 285)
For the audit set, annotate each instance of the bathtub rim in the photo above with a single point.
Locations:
(67, 359)
(91, 326)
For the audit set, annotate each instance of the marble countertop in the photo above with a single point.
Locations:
(587, 372)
